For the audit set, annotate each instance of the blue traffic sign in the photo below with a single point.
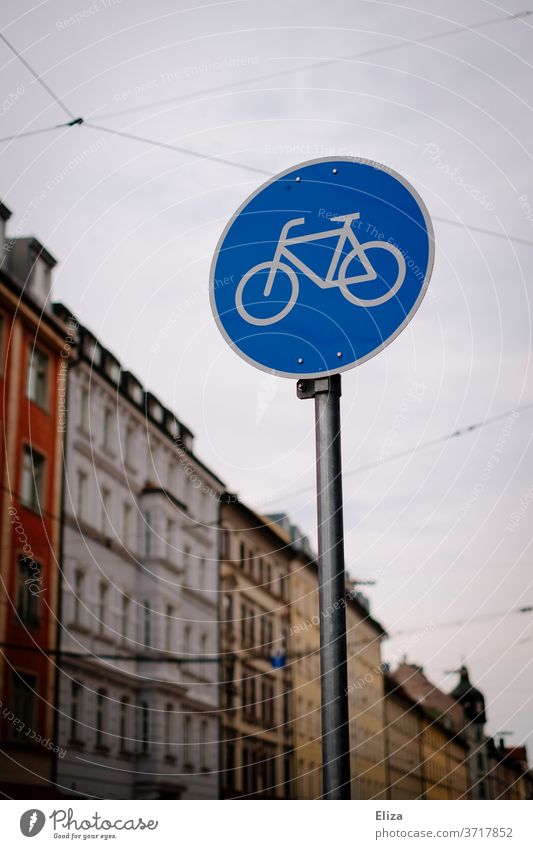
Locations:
(322, 267)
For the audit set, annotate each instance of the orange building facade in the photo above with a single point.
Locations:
(34, 353)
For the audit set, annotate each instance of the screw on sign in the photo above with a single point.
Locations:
(316, 272)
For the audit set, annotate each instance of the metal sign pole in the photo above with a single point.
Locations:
(332, 585)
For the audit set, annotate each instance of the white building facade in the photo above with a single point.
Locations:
(139, 637)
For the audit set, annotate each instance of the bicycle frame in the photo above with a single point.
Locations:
(343, 234)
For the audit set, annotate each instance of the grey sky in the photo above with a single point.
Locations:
(134, 228)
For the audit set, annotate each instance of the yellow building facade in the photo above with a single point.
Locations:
(425, 758)
(304, 659)
(444, 762)
(255, 697)
(403, 743)
(365, 700)
(365, 688)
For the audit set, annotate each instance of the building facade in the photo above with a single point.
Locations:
(34, 351)
(510, 775)
(444, 760)
(256, 675)
(304, 654)
(402, 729)
(365, 698)
(139, 647)
(425, 757)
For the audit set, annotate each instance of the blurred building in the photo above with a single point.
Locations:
(444, 759)
(495, 771)
(365, 698)
(402, 720)
(442, 743)
(510, 774)
(139, 661)
(256, 730)
(365, 679)
(304, 656)
(472, 701)
(34, 351)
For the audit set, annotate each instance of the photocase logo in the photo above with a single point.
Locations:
(32, 822)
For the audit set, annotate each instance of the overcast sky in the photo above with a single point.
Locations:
(134, 228)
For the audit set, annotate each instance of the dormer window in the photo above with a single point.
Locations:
(137, 393)
(173, 427)
(113, 371)
(93, 352)
(186, 438)
(156, 411)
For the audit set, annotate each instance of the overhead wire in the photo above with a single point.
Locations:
(222, 160)
(37, 77)
(420, 447)
(322, 63)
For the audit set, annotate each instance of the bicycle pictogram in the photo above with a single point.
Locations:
(336, 277)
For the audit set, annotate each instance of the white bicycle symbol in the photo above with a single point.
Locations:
(343, 234)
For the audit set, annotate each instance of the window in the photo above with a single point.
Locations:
(113, 370)
(203, 646)
(125, 618)
(267, 703)
(123, 723)
(106, 434)
(145, 728)
(169, 537)
(79, 583)
(100, 718)
(201, 574)
(187, 741)
(23, 688)
(204, 760)
(126, 525)
(147, 535)
(32, 478)
(171, 473)
(147, 618)
(244, 616)
(187, 639)
(242, 555)
(29, 591)
(286, 707)
(245, 777)
(251, 627)
(102, 605)
(229, 748)
(38, 377)
(169, 710)
(84, 408)
(81, 493)
(169, 623)
(75, 710)
(225, 544)
(128, 444)
(228, 607)
(105, 520)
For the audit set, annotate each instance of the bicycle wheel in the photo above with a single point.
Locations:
(372, 302)
(263, 266)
